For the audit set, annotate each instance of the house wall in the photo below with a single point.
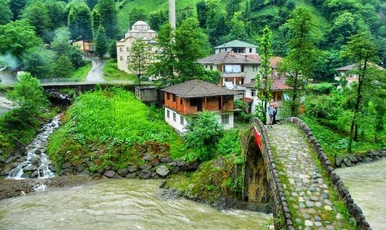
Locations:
(240, 50)
(139, 30)
(176, 120)
(184, 105)
(245, 76)
(147, 94)
(179, 122)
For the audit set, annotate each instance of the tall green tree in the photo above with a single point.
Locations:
(39, 61)
(28, 95)
(166, 60)
(204, 133)
(5, 12)
(22, 122)
(157, 19)
(63, 67)
(264, 78)
(62, 47)
(13, 38)
(108, 12)
(56, 12)
(232, 7)
(100, 42)
(300, 61)
(38, 17)
(191, 43)
(17, 6)
(139, 58)
(79, 21)
(360, 50)
(60, 43)
(96, 21)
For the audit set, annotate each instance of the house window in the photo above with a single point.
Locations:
(120, 49)
(167, 113)
(174, 116)
(253, 93)
(254, 68)
(250, 50)
(121, 58)
(181, 101)
(193, 102)
(168, 96)
(182, 120)
(232, 69)
(225, 119)
(174, 97)
(127, 49)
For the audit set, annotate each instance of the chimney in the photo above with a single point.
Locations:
(172, 13)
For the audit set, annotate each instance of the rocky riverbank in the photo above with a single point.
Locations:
(12, 188)
(354, 159)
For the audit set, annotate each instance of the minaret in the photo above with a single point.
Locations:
(172, 13)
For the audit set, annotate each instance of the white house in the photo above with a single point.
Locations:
(142, 30)
(190, 97)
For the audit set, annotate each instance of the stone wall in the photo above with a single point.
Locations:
(354, 159)
(280, 207)
(354, 210)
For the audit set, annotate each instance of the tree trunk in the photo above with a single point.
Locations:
(356, 132)
(294, 96)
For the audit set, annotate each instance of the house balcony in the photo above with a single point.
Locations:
(239, 74)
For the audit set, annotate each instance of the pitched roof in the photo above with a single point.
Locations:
(229, 57)
(277, 85)
(275, 61)
(354, 66)
(235, 43)
(346, 68)
(198, 88)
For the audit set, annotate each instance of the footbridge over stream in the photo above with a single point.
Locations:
(286, 167)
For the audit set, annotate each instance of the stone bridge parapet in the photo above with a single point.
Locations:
(280, 208)
(354, 210)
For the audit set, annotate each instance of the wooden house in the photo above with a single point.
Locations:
(191, 97)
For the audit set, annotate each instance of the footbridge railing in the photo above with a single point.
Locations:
(257, 152)
(354, 210)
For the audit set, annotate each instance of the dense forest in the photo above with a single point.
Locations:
(53, 22)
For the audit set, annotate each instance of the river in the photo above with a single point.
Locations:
(367, 186)
(119, 204)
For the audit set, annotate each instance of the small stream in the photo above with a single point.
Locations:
(119, 204)
(36, 163)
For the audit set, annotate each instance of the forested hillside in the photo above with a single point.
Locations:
(106, 21)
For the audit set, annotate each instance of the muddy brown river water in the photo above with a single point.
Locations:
(367, 186)
(119, 204)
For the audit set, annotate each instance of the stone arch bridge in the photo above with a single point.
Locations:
(286, 167)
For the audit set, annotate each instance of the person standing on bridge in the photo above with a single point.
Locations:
(270, 116)
(274, 114)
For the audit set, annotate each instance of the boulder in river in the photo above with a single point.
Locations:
(162, 171)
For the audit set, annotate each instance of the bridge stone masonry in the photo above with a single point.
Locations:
(286, 166)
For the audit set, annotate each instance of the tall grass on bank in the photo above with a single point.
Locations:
(114, 122)
(112, 72)
(335, 144)
(81, 73)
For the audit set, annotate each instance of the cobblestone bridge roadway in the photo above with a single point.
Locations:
(306, 191)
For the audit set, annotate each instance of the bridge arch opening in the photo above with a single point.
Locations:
(256, 186)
